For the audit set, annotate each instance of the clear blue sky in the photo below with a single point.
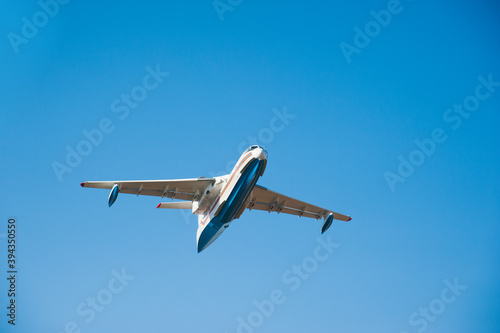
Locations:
(421, 252)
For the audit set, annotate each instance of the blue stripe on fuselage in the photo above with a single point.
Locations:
(241, 190)
(236, 199)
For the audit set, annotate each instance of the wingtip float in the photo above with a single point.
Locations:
(113, 195)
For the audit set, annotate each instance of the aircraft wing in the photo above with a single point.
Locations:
(184, 189)
(264, 199)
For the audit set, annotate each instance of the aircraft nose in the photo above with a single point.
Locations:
(260, 154)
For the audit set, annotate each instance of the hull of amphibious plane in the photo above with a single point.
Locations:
(211, 227)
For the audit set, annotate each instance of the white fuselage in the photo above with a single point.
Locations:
(227, 195)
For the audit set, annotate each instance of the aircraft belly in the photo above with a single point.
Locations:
(241, 191)
(232, 205)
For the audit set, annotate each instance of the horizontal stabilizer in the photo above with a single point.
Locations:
(176, 205)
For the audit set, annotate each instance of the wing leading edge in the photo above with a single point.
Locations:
(185, 189)
(267, 200)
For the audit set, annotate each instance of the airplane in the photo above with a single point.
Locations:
(219, 200)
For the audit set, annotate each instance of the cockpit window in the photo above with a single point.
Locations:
(251, 148)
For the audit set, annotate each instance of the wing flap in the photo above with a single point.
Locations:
(283, 209)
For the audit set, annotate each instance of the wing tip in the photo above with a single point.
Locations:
(82, 184)
(158, 205)
(349, 218)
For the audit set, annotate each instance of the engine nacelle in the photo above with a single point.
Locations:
(209, 196)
